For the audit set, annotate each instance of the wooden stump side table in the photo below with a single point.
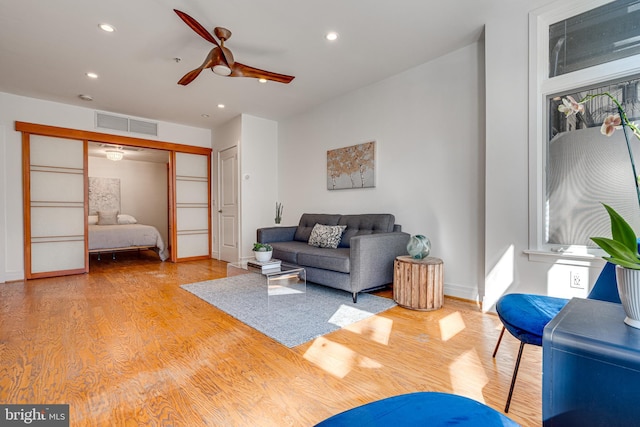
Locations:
(418, 283)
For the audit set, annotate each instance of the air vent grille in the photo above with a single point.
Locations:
(125, 124)
(147, 128)
(107, 121)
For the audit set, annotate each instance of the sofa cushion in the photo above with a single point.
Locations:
(358, 225)
(308, 221)
(288, 251)
(326, 236)
(325, 258)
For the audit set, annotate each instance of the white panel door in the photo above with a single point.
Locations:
(229, 234)
(55, 229)
(193, 223)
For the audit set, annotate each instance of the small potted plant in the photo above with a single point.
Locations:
(262, 251)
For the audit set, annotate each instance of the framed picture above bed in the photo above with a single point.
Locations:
(104, 195)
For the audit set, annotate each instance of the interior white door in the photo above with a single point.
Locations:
(55, 241)
(228, 226)
(192, 207)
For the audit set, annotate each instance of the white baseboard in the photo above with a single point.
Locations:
(463, 292)
(13, 276)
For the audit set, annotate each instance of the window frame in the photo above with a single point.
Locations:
(540, 87)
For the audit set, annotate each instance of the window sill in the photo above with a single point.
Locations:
(553, 257)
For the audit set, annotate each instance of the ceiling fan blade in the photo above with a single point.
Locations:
(190, 76)
(195, 26)
(241, 70)
(228, 56)
(208, 62)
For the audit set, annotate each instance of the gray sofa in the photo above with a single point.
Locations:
(362, 261)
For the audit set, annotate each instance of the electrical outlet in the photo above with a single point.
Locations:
(576, 279)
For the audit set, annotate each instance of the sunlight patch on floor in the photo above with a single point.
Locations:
(451, 325)
(337, 359)
(375, 328)
(345, 315)
(468, 376)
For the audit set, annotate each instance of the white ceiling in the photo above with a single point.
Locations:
(46, 47)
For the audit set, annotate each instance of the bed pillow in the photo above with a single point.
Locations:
(326, 236)
(93, 219)
(107, 217)
(126, 219)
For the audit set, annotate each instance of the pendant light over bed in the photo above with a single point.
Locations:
(115, 155)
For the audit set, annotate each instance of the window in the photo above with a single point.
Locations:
(597, 36)
(575, 49)
(585, 168)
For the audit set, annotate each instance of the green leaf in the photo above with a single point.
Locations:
(623, 263)
(622, 231)
(617, 250)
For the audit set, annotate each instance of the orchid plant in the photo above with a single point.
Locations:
(622, 248)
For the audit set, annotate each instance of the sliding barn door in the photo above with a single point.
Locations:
(192, 206)
(54, 203)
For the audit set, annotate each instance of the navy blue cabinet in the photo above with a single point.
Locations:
(590, 367)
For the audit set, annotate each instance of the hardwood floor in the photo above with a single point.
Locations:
(125, 345)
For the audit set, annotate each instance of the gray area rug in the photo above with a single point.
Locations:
(290, 318)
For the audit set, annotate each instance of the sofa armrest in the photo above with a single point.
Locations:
(276, 234)
(372, 257)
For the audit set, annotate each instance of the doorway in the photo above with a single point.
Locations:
(228, 212)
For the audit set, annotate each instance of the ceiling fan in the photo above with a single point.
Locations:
(220, 59)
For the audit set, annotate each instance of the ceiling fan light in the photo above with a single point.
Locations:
(115, 155)
(221, 70)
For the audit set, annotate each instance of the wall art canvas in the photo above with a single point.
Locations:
(104, 195)
(351, 167)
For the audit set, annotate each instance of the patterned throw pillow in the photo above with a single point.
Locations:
(326, 236)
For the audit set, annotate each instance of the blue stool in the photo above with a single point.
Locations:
(526, 315)
(420, 409)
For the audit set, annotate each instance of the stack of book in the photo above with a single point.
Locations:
(264, 267)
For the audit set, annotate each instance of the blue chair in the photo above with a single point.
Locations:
(526, 315)
(420, 409)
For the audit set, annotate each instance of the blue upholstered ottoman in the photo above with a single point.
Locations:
(421, 409)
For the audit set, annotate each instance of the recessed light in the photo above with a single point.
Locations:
(107, 27)
(85, 97)
(206, 116)
(332, 36)
(220, 105)
(262, 80)
(92, 75)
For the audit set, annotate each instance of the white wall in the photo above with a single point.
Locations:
(428, 124)
(18, 108)
(143, 189)
(507, 267)
(259, 178)
(257, 142)
(452, 162)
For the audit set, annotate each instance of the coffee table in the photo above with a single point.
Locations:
(287, 284)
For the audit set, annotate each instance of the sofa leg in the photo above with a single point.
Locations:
(355, 297)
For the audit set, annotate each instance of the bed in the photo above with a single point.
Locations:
(125, 237)
(110, 231)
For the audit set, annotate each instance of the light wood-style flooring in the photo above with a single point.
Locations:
(124, 345)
